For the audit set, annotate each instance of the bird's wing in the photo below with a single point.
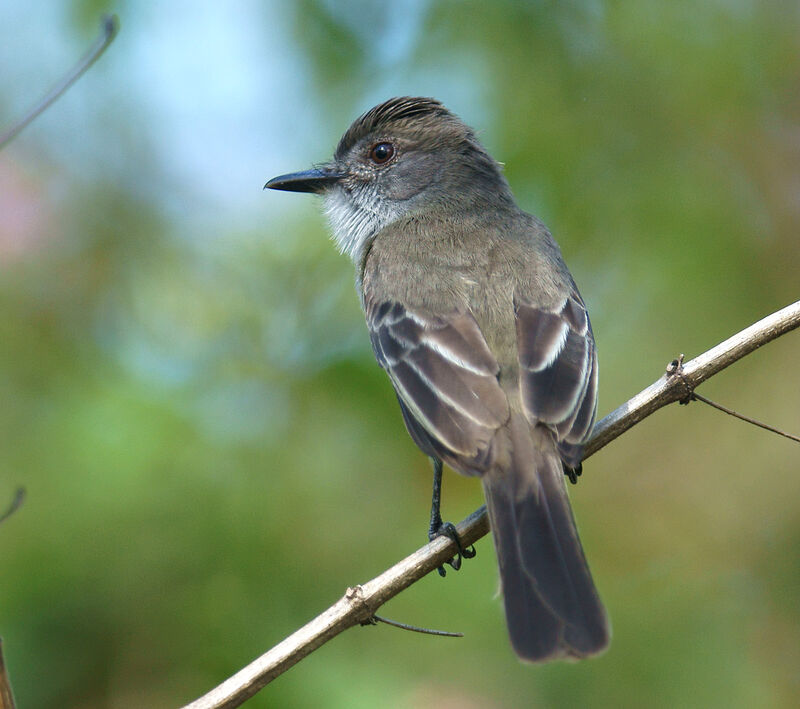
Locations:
(444, 374)
(558, 370)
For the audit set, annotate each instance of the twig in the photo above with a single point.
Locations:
(108, 28)
(357, 605)
(675, 367)
(361, 602)
(6, 695)
(413, 628)
(669, 389)
(742, 417)
(19, 497)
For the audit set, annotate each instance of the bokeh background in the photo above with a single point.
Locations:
(188, 395)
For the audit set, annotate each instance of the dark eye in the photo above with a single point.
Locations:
(381, 153)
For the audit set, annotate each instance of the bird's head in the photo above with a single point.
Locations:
(402, 157)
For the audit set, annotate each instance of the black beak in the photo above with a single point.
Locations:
(306, 181)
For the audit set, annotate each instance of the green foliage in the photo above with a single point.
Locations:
(211, 455)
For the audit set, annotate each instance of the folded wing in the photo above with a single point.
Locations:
(446, 380)
(558, 371)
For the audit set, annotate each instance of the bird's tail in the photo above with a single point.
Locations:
(552, 607)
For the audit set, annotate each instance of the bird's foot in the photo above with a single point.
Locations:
(572, 473)
(448, 529)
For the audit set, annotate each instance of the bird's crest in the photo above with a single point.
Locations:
(392, 112)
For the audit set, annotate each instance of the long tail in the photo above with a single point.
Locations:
(552, 607)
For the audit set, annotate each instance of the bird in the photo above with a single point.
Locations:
(479, 325)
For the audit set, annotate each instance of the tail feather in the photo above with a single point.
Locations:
(552, 607)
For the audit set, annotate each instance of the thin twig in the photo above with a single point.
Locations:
(733, 413)
(357, 605)
(6, 695)
(361, 602)
(413, 628)
(19, 497)
(669, 388)
(109, 26)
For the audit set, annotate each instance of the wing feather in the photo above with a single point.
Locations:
(444, 374)
(558, 370)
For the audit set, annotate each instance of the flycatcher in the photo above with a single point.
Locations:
(479, 325)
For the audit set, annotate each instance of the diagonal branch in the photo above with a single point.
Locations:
(19, 498)
(108, 30)
(670, 388)
(360, 603)
(6, 695)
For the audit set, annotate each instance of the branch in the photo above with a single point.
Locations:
(19, 498)
(6, 695)
(108, 30)
(670, 388)
(360, 603)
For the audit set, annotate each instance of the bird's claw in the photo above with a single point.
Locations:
(448, 529)
(572, 473)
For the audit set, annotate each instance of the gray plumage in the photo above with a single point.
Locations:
(481, 329)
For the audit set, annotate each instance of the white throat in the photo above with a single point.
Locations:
(355, 217)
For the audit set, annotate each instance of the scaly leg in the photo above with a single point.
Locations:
(438, 528)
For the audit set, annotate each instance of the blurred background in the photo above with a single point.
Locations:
(187, 391)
